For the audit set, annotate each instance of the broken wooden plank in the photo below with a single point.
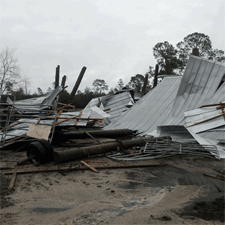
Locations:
(206, 120)
(89, 166)
(93, 137)
(41, 170)
(99, 122)
(220, 177)
(77, 120)
(75, 117)
(10, 126)
(218, 104)
(13, 179)
(83, 168)
(59, 113)
(67, 119)
(14, 139)
(63, 107)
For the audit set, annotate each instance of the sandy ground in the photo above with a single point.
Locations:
(119, 196)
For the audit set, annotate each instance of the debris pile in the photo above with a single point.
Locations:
(194, 102)
(179, 116)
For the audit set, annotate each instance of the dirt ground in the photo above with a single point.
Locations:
(177, 193)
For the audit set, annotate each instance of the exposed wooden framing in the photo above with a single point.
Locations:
(50, 113)
(219, 104)
(14, 139)
(12, 125)
(222, 109)
(223, 114)
(63, 107)
(59, 113)
(57, 123)
(77, 120)
(99, 122)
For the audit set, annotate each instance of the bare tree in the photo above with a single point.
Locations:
(9, 69)
(26, 84)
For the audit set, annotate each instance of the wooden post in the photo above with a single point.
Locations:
(156, 75)
(63, 81)
(76, 86)
(13, 179)
(145, 84)
(57, 76)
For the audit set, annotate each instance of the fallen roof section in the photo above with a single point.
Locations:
(151, 110)
(167, 103)
(116, 104)
(38, 103)
(174, 102)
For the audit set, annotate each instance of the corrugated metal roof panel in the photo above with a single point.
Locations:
(202, 119)
(146, 113)
(167, 103)
(198, 86)
(116, 103)
(217, 133)
(36, 103)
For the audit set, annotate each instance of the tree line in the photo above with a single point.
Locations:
(171, 60)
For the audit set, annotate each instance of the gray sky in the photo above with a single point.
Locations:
(112, 38)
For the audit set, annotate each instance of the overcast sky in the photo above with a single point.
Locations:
(112, 38)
